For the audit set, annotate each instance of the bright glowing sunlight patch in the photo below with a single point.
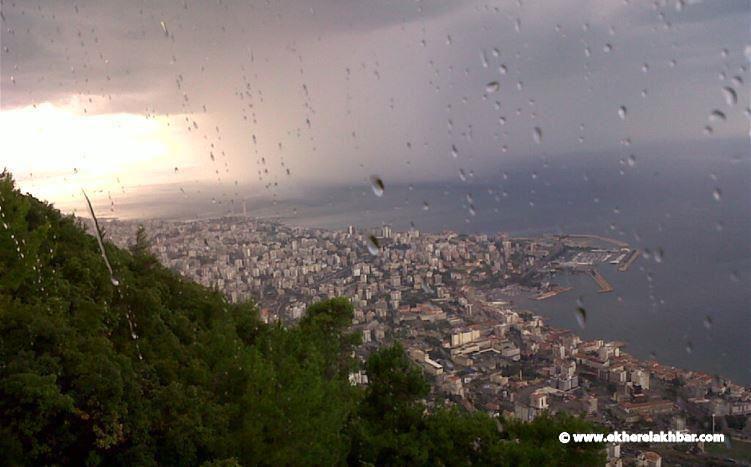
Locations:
(54, 150)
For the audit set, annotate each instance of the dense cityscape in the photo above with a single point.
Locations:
(450, 300)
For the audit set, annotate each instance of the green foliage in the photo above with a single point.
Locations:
(161, 371)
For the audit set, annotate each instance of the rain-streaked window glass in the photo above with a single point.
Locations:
(330, 232)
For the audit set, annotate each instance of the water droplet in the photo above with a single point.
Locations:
(454, 152)
(581, 316)
(373, 245)
(631, 160)
(622, 112)
(607, 48)
(492, 87)
(100, 241)
(689, 347)
(377, 185)
(425, 206)
(537, 134)
(717, 194)
(708, 322)
(164, 28)
(717, 116)
(658, 255)
(731, 98)
(502, 69)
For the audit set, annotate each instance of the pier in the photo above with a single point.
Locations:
(552, 293)
(628, 261)
(602, 283)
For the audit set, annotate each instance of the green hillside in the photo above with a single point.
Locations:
(143, 367)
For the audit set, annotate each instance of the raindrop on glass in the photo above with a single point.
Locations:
(717, 116)
(731, 97)
(492, 87)
(376, 184)
(717, 194)
(658, 255)
(581, 316)
(622, 112)
(373, 245)
(537, 134)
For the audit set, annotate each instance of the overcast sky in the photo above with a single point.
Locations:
(112, 98)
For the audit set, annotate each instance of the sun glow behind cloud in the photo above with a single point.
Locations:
(55, 150)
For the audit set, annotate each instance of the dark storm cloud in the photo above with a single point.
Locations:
(108, 47)
(336, 90)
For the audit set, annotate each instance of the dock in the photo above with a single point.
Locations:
(552, 293)
(628, 261)
(602, 283)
